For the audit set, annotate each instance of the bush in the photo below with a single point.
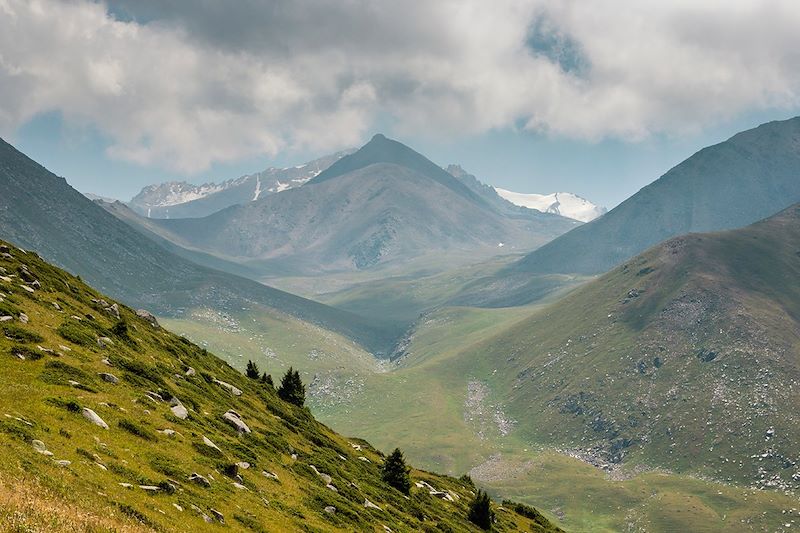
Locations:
(480, 511)
(77, 333)
(135, 429)
(18, 334)
(395, 472)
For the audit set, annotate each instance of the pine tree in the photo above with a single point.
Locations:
(395, 472)
(292, 389)
(480, 511)
(252, 371)
(267, 378)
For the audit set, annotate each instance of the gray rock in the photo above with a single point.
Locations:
(178, 409)
(330, 509)
(150, 488)
(23, 318)
(210, 444)
(40, 447)
(106, 362)
(369, 505)
(244, 465)
(324, 477)
(227, 386)
(92, 417)
(219, 516)
(190, 372)
(6, 318)
(168, 432)
(200, 480)
(148, 316)
(110, 378)
(104, 341)
(232, 418)
(270, 475)
(63, 463)
(125, 485)
(113, 310)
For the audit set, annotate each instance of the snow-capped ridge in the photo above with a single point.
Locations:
(560, 203)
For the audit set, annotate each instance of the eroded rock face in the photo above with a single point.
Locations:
(94, 418)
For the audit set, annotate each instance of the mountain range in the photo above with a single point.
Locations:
(41, 212)
(179, 199)
(752, 175)
(383, 204)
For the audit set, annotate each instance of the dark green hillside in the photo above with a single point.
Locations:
(752, 175)
(686, 357)
(112, 423)
(41, 212)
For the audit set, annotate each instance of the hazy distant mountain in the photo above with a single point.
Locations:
(41, 212)
(179, 199)
(383, 203)
(561, 203)
(752, 175)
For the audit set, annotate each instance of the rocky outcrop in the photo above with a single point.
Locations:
(228, 387)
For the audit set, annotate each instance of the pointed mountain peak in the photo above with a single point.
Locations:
(381, 149)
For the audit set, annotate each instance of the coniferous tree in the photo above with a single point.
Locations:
(267, 378)
(480, 511)
(292, 389)
(395, 472)
(252, 371)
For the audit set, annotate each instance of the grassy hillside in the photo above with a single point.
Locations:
(748, 177)
(164, 409)
(683, 358)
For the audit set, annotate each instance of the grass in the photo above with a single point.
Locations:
(100, 489)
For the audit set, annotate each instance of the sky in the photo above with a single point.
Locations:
(597, 98)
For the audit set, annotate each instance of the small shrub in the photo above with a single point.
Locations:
(19, 334)
(77, 333)
(69, 405)
(26, 353)
(59, 373)
(135, 429)
(292, 389)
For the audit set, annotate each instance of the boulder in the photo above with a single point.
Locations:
(168, 432)
(178, 409)
(113, 310)
(324, 477)
(216, 514)
(228, 387)
(104, 341)
(110, 378)
(369, 505)
(330, 509)
(23, 318)
(232, 418)
(92, 417)
(210, 444)
(63, 463)
(200, 480)
(270, 475)
(190, 372)
(40, 447)
(148, 316)
(6, 318)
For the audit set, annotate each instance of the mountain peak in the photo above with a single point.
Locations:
(381, 149)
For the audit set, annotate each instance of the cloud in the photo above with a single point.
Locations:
(184, 85)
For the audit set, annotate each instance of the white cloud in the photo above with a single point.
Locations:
(197, 84)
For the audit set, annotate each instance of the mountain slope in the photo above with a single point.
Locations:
(125, 426)
(384, 203)
(40, 211)
(686, 357)
(184, 200)
(748, 177)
